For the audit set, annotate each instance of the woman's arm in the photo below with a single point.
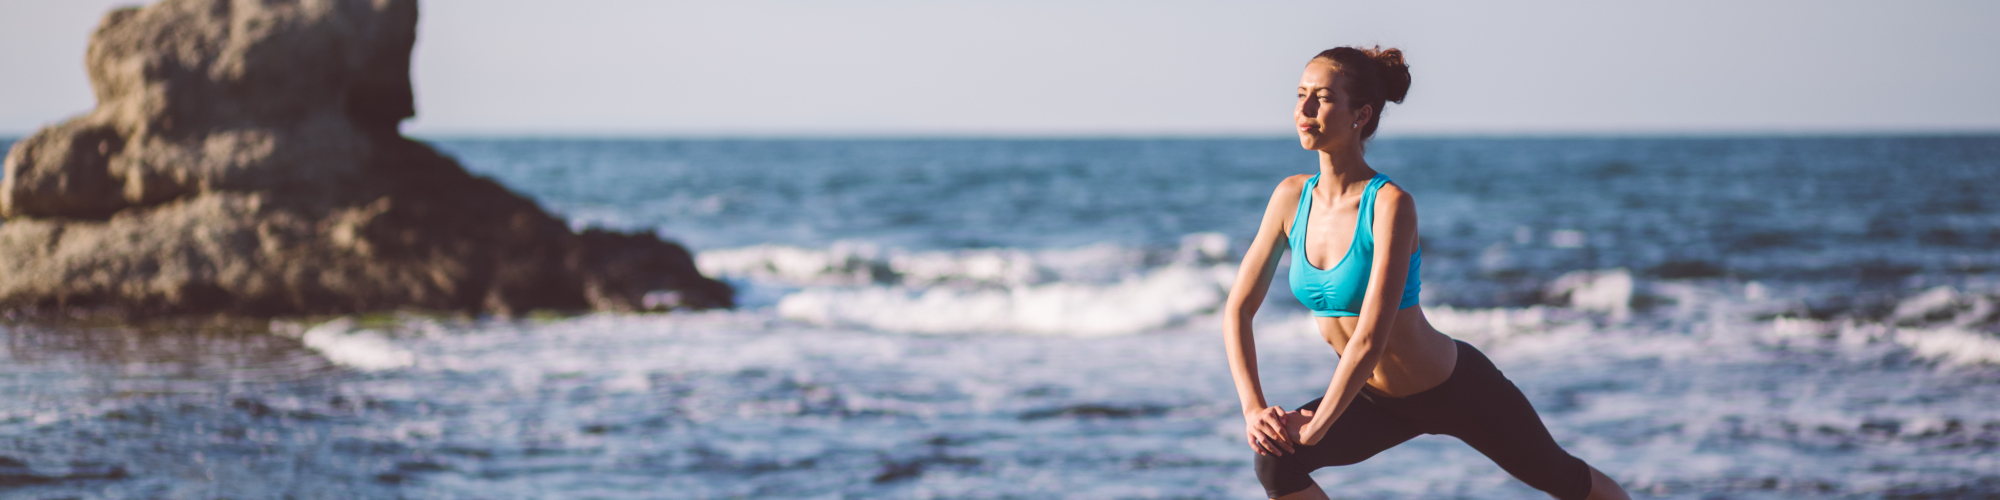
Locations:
(1253, 280)
(1395, 231)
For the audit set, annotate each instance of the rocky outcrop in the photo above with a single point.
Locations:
(244, 158)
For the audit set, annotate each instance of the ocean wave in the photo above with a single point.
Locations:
(854, 263)
(845, 263)
(1942, 324)
(343, 342)
(1608, 291)
(1113, 290)
(1956, 346)
(1156, 299)
(1483, 325)
(1092, 290)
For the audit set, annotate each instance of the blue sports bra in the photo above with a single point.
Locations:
(1338, 291)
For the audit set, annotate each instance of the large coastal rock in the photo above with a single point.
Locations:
(244, 158)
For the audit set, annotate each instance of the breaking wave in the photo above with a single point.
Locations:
(1112, 290)
(1093, 290)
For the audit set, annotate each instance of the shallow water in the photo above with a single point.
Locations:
(1726, 318)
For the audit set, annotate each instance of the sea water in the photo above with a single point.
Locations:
(1699, 318)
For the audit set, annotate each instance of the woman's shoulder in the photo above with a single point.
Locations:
(1392, 190)
(1288, 190)
(1292, 184)
(1392, 197)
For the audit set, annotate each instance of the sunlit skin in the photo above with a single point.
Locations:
(1390, 352)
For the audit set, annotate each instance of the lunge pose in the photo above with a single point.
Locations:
(1353, 240)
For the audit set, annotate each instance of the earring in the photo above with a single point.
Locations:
(1357, 125)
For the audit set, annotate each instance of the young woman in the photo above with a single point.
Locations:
(1353, 239)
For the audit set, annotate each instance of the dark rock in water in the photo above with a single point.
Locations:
(244, 158)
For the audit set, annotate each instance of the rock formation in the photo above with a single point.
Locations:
(244, 158)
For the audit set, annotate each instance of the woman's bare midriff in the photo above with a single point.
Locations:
(1418, 356)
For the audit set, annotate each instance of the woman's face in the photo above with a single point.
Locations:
(1325, 121)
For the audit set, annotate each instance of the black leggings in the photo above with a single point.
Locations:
(1476, 404)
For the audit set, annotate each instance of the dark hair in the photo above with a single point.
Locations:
(1374, 76)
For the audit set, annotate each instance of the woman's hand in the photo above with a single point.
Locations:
(1266, 430)
(1295, 424)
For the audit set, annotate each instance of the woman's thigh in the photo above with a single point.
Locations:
(1494, 417)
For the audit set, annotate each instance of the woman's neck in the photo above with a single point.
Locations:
(1341, 168)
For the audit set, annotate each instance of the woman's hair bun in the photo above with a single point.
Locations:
(1395, 74)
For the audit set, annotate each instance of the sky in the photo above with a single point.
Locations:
(1136, 68)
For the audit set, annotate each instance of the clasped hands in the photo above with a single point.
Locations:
(1274, 431)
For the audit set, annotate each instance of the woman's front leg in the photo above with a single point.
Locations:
(1360, 432)
(1310, 493)
(1603, 488)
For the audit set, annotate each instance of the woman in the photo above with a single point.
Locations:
(1353, 237)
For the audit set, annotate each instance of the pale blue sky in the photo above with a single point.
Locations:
(1081, 67)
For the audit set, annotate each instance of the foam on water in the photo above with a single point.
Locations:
(341, 342)
(1952, 345)
(1154, 300)
(1608, 291)
(1701, 393)
(1094, 290)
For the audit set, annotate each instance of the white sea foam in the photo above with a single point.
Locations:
(1935, 300)
(1789, 327)
(844, 263)
(1112, 290)
(1951, 344)
(860, 263)
(1153, 300)
(364, 349)
(1699, 391)
(1606, 384)
(1004, 267)
(1944, 324)
(1494, 324)
(1608, 291)
(1093, 290)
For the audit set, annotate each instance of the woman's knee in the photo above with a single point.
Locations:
(1566, 478)
(1282, 475)
(1287, 474)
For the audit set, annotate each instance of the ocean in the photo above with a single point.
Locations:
(1700, 318)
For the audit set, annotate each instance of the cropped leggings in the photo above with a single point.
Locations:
(1476, 404)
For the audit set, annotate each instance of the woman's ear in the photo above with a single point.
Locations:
(1363, 114)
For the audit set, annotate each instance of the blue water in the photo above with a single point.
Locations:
(1699, 318)
(1851, 211)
